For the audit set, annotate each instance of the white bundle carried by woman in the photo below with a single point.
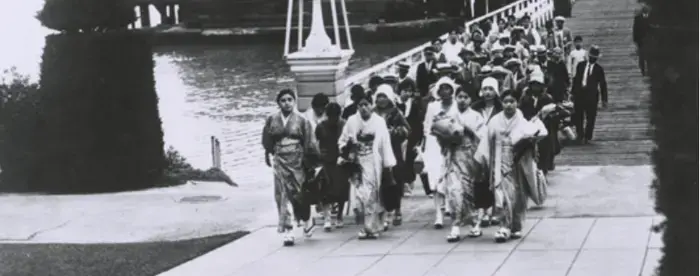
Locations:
(447, 129)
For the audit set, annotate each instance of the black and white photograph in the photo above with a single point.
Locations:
(349, 138)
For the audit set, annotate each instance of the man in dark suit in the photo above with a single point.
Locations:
(426, 73)
(639, 34)
(557, 78)
(589, 88)
(412, 106)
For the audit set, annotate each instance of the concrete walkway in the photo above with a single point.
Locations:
(183, 212)
(619, 246)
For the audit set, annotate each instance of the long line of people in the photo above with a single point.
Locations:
(477, 123)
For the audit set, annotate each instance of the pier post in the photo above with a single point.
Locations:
(145, 15)
(319, 66)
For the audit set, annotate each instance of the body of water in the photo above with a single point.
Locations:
(223, 91)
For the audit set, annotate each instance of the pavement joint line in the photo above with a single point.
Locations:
(583, 243)
(520, 241)
(392, 248)
(646, 252)
(330, 251)
(445, 255)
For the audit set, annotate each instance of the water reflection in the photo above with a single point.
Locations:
(227, 92)
(221, 91)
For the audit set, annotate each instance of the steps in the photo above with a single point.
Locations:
(622, 135)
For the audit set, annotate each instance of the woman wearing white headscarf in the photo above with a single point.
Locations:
(488, 106)
(385, 106)
(443, 108)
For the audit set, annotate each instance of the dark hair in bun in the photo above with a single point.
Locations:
(285, 91)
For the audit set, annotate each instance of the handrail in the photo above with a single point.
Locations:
(540, 11)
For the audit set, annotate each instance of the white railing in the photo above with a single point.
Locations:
(540, 11)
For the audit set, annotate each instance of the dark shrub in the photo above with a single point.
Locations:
(673, 68)
(18, 124)
(102, 129)
(178, 171)
(86, 15)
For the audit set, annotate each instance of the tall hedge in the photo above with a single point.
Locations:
(86, 15)
(19, 122)
(102, 131)
(674, 107)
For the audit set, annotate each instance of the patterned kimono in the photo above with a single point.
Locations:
(370, 143)
(292, 143)
(509, 154)
(434, 112)
(461, 168)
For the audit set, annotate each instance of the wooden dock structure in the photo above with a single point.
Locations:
(622, 134)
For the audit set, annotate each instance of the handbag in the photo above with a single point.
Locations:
(311, 188)
(539, 193)
(418, 164)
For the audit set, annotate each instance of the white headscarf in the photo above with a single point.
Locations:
(387, 90)
(440, 82)
(489, 82)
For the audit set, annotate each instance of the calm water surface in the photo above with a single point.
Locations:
(204, 91)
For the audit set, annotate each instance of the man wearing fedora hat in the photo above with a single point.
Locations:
(402, 70)
(640, 30)
(562, 34)
(481, 55)
(589, 88)
(469, 73)
(557, 77)
(426, 72)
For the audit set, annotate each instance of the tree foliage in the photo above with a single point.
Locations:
(18, 123)
(86, 15)
(101, 128)
(673, 45)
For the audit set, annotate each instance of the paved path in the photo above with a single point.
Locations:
(575, 191)
(564, 246)
(622, 135)
(589, 226)
(161, 214)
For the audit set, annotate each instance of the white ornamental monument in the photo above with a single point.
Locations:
(318, 63)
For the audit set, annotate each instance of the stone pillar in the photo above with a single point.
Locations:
(319, 67)
(163, 11)
(171, 14)
(145, 16)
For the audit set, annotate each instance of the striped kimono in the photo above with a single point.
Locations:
(508, 152)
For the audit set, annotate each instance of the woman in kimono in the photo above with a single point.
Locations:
(444, 108)
(288, 138)
(488, 106)
(461, 168)
(335, 188)
(385, 106)
(507, 151)
(366, 143)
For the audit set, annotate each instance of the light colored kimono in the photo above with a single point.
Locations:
(432, 155)
(461, 169)
(290, 140)
(511, 176)
(373, 154)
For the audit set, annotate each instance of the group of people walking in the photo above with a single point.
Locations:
(478, 122)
